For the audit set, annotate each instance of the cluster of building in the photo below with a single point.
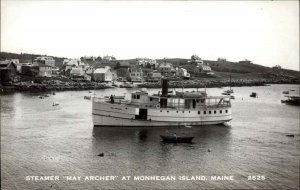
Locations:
(106, 69)
(10, 69)
(144, 70)
(201, 66)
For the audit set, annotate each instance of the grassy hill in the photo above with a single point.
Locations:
(222, 70)
(28, 58)
(237, 70)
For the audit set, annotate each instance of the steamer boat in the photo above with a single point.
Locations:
(162, 109)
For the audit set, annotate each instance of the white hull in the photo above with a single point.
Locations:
(106, 114)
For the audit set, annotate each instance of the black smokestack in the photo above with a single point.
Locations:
(165, 87)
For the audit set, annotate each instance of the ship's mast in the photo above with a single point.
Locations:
(230, 83)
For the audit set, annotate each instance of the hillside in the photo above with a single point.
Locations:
(222, 70)
(27, 58)
(237, 70)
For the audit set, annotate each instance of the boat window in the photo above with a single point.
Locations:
(137, 96)
(151, 99)
(215, 112)
(197, 101)
(167, 110)
(198, 112)
(189, 111)
(220, 111)
(226, 111)
(160, 110)
(182, 111)
(204, 112)
(209, 112)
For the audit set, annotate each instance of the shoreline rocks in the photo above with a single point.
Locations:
(46, 87)
(56, 85)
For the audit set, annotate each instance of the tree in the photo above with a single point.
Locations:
(195, 57)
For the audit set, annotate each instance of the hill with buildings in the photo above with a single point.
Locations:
(28, 58)
(238, 70)
(221, 68)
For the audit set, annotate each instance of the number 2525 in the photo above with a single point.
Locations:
(256, 177)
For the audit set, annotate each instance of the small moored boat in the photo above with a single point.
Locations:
(285, 92)
(292, 100)
(226, 93)
(253, 95)
(176, 139)
(87, 97)
(55, 104)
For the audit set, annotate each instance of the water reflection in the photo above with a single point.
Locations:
(137, 134)
(141, 135)
(135, 141)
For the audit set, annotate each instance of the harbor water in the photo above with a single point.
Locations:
(39, 139)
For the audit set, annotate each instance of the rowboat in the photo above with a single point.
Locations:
(176, 139)
(253, 95)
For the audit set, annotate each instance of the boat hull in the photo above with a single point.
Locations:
(111, 115)
(105, 121)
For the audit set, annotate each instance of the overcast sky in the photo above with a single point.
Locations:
(265, 32)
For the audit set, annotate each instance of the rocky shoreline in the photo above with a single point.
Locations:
(51, 86)
(56, 85)
(217, 83)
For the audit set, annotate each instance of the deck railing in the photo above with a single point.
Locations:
(177, 106)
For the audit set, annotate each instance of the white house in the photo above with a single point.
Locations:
(15, 61)
(108, 58)
(88, 70)
(65, 61)
(204, 69)
(135, 75)
(44, 70)
(196, 60)
(147, 62)
(103, 74)
(165, 69)
(44, 60)
(68, 64)
(182, 72)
